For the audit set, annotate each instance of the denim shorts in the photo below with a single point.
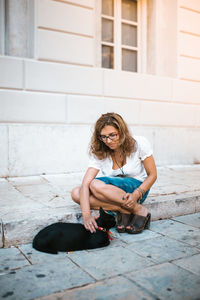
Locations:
(127, 184)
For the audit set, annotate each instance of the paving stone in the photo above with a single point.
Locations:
(191, 263)
(36, 257)
(11, 259)
(171, 189)
(65, 182)
(118, 288)
(2, 180)
(162, 249)
(8, 194)
(193, 220)
(109, 261)
(41, 188)
(42, 279)
(116, 242)
(63, 179)
(46, 194)
(26, 180)
(67, 201)
(38, 192)
(132, 238)
(178, 231)
(167, 281)
(103, 260)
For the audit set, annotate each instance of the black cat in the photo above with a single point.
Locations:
(73, 236)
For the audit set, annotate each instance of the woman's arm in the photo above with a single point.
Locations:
(150, 167)
(88, 219)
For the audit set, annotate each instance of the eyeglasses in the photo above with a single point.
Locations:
(111, 136)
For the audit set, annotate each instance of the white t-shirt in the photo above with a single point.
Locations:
(134, 166)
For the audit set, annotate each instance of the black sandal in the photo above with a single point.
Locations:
(122, 222)
(138, 224)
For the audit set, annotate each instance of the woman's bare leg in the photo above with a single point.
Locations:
(113, 194)
(109, 197)
(96, 203)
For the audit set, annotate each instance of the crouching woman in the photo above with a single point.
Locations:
(128, 169)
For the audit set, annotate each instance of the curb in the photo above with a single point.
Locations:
(16, 232)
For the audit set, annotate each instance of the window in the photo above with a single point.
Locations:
(119, 34)
(107, 34)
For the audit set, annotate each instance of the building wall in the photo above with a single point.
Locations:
(189, 40)
(50, 102)
(73, 31)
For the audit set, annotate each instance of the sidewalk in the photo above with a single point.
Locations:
(160, 263)
(30, 203)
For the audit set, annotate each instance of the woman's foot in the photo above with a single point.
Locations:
(140, 210)
(138, 224)
(122, 221)
(140, 221)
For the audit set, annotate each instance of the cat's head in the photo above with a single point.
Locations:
(105, 220)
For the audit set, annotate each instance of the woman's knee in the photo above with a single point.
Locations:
(75, 194)
(96, 186)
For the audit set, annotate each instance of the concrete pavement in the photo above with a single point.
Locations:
(160, 263)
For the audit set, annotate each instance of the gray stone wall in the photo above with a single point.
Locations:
(19, 28)
(2, 27)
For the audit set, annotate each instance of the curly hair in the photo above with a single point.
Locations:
(99, 148)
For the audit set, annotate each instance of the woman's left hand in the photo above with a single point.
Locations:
(130, 200)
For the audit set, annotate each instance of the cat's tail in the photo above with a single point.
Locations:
(40, 245)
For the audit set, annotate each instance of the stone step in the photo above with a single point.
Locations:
(30, 203)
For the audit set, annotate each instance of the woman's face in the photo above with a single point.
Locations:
(110, 136)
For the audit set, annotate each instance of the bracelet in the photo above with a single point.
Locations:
(142, 192)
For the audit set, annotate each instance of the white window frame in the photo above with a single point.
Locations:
(141, 35)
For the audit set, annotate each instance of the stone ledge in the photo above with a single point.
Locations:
(30, 203)
(167, 206)
(22, 229)
(1, 234)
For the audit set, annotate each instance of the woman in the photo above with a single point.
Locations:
(129, 172)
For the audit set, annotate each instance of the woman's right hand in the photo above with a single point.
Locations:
(90, 223)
